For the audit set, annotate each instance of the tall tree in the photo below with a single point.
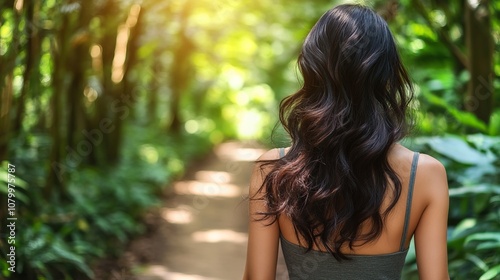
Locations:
(8, 63)
(479, 41)
(123, 94)
(32, 50)
(180, 68)
(60, 47)
(77, 65)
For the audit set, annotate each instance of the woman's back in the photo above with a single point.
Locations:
(382, 258)
(389, 241)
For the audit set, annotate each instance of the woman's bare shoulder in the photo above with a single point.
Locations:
(426, 163)
(272, 154)
(431, 174)
(430, 165)
(431, 178)
(263, 165)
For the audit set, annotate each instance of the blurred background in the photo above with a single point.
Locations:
(104, 103)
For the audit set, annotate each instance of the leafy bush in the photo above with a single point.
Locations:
(473, 164)
(63, 236)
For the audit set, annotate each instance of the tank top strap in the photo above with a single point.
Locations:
(281, 152)
(413, 172)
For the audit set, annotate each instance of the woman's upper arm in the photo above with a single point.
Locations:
(430, 234)
(262, 250)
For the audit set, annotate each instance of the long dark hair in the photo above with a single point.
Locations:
(351, 109)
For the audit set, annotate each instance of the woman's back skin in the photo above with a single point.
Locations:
(428, 220)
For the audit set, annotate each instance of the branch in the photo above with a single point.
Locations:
(443, 36)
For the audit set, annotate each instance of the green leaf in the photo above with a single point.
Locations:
(476, 189)
(18, 182)
(476, 173)
(468, 119)
(483, 236)
(63, 252)
(463, 227)
(491, 273)
(488, 246)
(477, 261)
(457, 149)
(463, 117)
(484, 142)
(494, 127)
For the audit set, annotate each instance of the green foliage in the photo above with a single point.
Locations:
(45, 253)
(20, 184)
(63, 238)
(463, 118)
(472, 163)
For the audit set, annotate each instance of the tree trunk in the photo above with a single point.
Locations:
(180, 69)
(105, 101)
(5, 107)
(479, 98)
(30, 75)
(78, 62)
(124, 98)
(152, 103)
(59, 167)
(8, 59)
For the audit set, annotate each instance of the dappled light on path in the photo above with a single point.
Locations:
(219, 235)
(208, 176)
(233, 152)
(177, 215)
(207, 189)
(205, 221)
(158, 272)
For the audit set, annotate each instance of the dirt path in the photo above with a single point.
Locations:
(203, 231)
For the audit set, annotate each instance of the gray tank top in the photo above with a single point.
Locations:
(322, 265)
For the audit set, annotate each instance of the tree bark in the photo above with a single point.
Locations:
(58, 167)
(105, 100)
(480, 92)
(31, 73)
(152, 104)
(180, 69)
(5, 107)
(77, 63)
(8, 60)
(125, 97)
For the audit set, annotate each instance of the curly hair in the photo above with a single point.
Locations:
(351, 108)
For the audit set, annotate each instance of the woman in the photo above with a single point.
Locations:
(345, 199)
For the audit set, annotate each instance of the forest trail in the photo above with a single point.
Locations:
(203, 231)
